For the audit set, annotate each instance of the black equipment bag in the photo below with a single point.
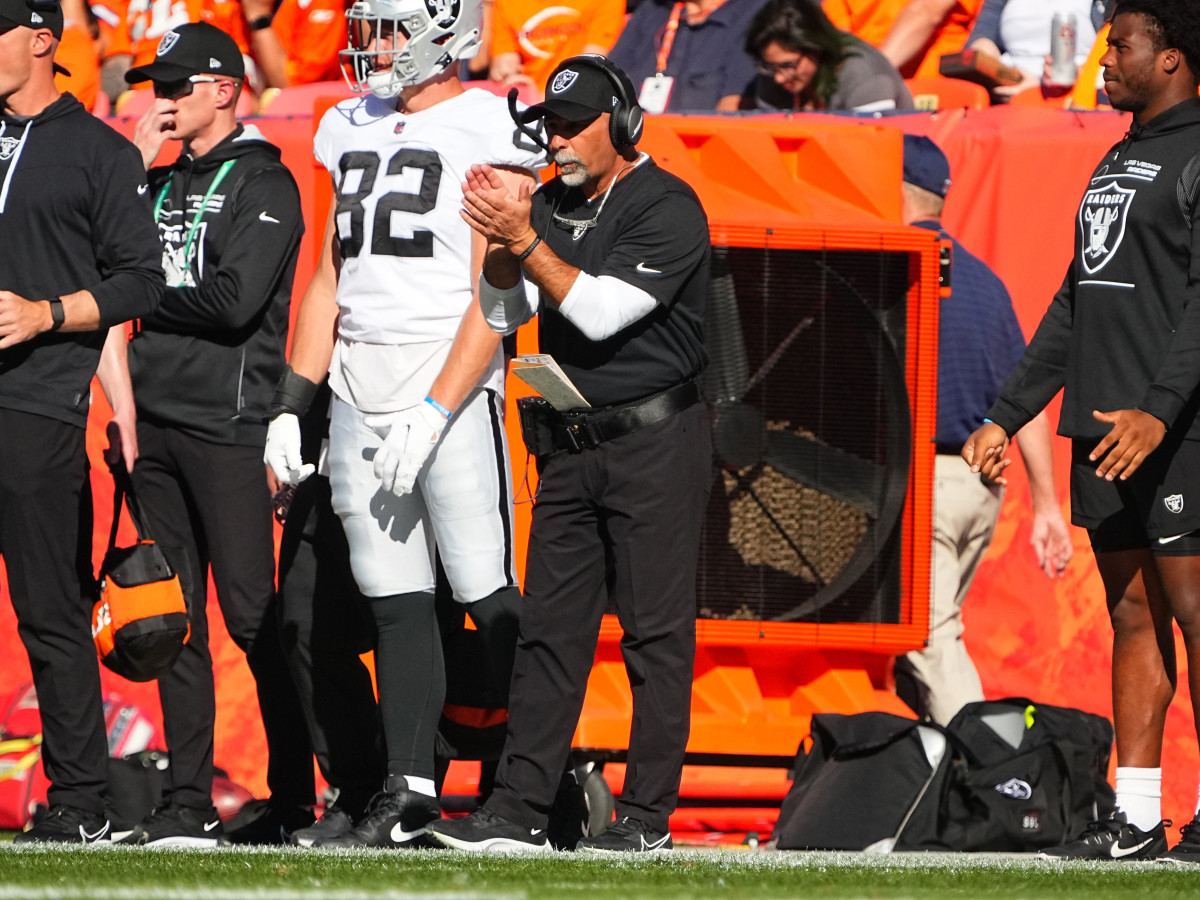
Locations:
(1027, 776)
(867, 780)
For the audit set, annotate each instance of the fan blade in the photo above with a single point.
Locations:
(728, 372)
(836, 473)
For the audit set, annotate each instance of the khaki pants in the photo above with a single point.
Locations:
(965, 513)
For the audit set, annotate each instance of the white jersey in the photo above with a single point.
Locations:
(406, 252)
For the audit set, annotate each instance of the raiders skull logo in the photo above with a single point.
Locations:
(168, 41)
(1174, 503)
(1102, 216)
(8, 146)
(563, 80)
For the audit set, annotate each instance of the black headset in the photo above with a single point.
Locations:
(625, 123)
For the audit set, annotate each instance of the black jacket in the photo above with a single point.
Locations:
(207, 361)
(74, 215)
(1123, 331)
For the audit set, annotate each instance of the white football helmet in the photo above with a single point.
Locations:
(437, 33)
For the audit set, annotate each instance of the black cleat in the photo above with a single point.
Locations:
(1188, 848)
(484, 830)
(395, 819)
(171, 825)
(67, 825)
(264, 822)
(1113, 839)
(627, 835)
(334, 822)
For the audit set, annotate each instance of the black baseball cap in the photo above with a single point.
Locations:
(195, 49)
(32, 14)
(925, 165)
(577, 91)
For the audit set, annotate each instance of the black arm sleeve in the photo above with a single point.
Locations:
(1042, 371)
(125, 241)
(266, 229)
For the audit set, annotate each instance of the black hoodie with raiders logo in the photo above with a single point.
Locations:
(230, 225)
(1123, 331)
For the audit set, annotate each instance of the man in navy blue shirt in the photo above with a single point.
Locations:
(979, 344)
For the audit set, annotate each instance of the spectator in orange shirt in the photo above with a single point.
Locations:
(297, 43)
(913, 34)
(529, 38)
(78, 54)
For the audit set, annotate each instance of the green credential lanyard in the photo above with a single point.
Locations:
(212, 189)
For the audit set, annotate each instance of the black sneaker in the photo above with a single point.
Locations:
(484, 830)
(265, 822)
(334, 823)
(395, 820)
(627, 835)
(1188, 848)
(178, 826)
(67, 825)
(1113, 839)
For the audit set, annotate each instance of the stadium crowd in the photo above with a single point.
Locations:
(427, 511)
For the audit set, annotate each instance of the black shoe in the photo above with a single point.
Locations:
(334, 823)
(178, 826)
(1188, 848)
(264, 822)
(1113, 839)
(484, 830)
(396, 818)
(67, 825)
(627, 835)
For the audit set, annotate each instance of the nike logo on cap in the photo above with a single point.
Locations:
(642, 267)
(1117, 851)
(263, 217)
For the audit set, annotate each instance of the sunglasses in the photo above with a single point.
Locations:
(783, 68)
(173, 90)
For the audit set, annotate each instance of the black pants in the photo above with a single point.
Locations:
(620, 522)
(325, 623)
(208, 504)
(45, 539)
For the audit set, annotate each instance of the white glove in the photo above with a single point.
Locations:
(409, 436)
(282, 453)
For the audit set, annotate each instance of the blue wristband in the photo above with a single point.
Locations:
(445, 412)
(988, 422)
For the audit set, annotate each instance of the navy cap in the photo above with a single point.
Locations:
(194, 49)
(925, 165)
(32, 14)
(575, 92)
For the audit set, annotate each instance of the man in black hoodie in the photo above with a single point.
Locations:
(1122, 335)
(204, 368)
(79, 258)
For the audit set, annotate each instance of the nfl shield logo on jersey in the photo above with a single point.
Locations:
(1102, 216)
(1174, 503)
(168, 41)
(563, 80)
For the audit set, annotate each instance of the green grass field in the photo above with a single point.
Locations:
(123, 873)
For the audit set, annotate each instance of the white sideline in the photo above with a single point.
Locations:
(15, 892)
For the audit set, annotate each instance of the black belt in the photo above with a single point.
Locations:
(588, 429)
(948, 449)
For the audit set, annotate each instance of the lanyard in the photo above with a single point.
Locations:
(668, 41)
(212, 189)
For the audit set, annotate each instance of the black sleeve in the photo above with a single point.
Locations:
(1042, 371)
(267, 225)
(659, 250)
(125, 240)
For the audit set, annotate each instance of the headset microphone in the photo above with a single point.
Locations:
(532, 133)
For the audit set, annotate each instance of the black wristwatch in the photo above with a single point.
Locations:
(260, 23)
(57, 316)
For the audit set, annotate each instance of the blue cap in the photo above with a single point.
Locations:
(925, 165)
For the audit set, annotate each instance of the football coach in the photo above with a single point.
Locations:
(619, 251)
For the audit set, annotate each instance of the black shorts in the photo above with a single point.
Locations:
(1162, 499)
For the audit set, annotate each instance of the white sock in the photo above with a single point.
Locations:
(1139, 796)
(422, 785)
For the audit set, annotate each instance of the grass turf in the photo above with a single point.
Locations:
(130, 873)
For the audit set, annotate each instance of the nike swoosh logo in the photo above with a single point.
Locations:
(90, 838)
(1117, 851)
(142, 188)
(642, 267)
(399, 835)
(263, 217)
(209, 826)
(659, 843)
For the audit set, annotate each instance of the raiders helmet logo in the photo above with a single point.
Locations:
(8, 146)
(1102, 216)
(444, 12)
(1174, 503)
(563, 80)
(168, 41)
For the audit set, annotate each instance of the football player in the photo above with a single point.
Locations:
(417, 449)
